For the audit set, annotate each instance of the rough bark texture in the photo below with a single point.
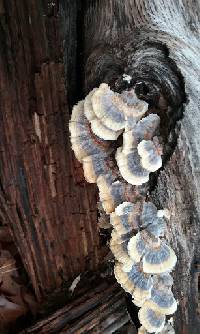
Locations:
(99, 310)
(43, 198)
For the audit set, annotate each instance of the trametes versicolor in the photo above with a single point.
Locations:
(115, 138)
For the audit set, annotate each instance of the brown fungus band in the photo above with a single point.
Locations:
(121, 169)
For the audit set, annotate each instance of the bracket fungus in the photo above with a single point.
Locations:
(121, 167)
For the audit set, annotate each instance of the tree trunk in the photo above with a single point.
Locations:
(44, 199)
(50, 54)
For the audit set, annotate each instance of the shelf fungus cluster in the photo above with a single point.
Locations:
(116, 139)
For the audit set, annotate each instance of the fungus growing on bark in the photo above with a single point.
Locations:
(135, 282)
(125, 218)
(110, 192)
(94, 165)
(151, 320)
(144, 260)
(118, 246)
(159, 259)
(162, 301)
(137, 247)
(134, 133)
(130, 167)
(131, 106)
(106, 106)
(150, 155)
(153, 220)
(167, 329)
(84, 143)
(88, 108)
(143, 283)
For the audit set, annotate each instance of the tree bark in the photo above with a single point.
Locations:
(43, 197)
(49, 52)
(99, 310)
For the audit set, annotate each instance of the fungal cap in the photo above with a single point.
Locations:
(143, 284)
(75, 131)
(162, 281)
(149, 211)
(88, 168)
(105, 195)
(141, 295)
(138, 302)
(96, 165)
(136, 247)
(88, 108)
(159, 260)
(162, 302)
(122, 279)
(154, 224)
(117, 224)
(102, 131)
(130, 168)
(146, 128)
(132, 106)
(84, 142)
(151, 320)
(119, 252)
(150, 157)
(106, 108)
(124, 208)
(157, 228)
(123, 219)
(142, 330)
(136, 132)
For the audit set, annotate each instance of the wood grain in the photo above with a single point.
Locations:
(99, 310)
(43, 197)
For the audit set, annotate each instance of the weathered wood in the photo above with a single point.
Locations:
(100, 310)
(43, 198)
(117, 38)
